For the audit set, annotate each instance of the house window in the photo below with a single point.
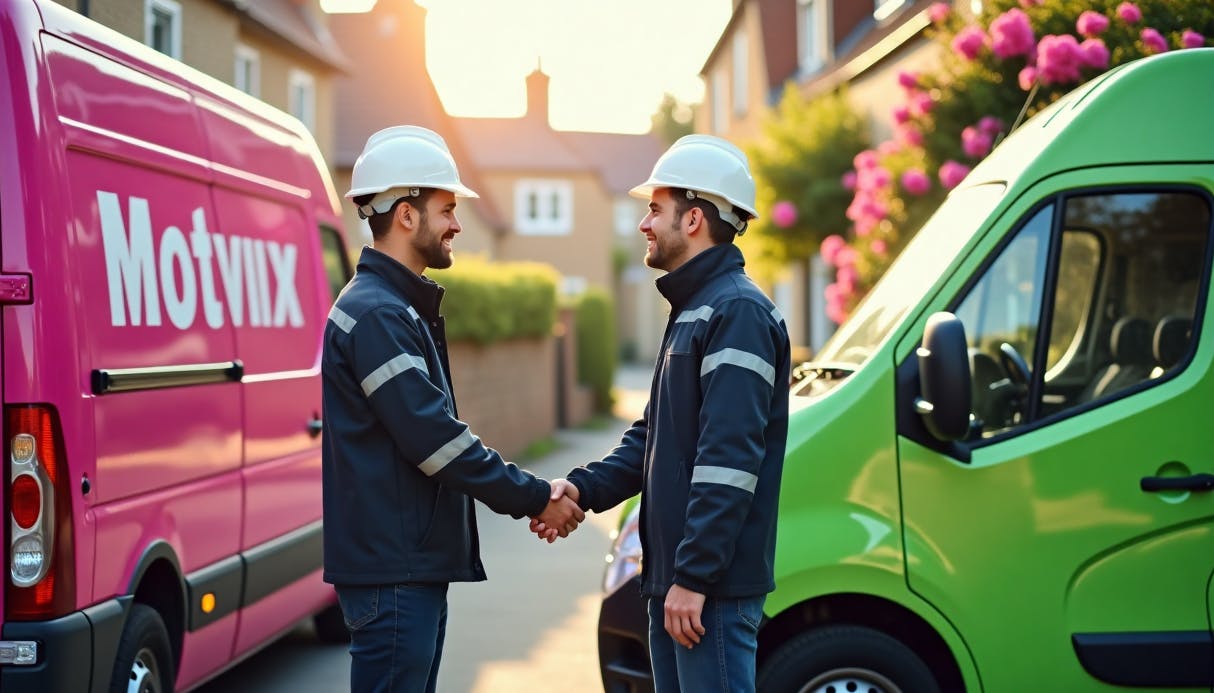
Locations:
(301, 97)
(740, 60)
(813, 41)
(626, 217)
(884, 8)
(162, 26)
(248, 70)
(543, 207)
(720, 117)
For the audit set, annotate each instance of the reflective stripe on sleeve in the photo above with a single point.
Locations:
(743, 359)
(443, 456)
(340, 318)
(390, 370)
(725, 476)
(776, 315)
(412, 313)
(701, 313)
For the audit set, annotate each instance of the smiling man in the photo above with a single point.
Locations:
(400, 470)
(708, 452)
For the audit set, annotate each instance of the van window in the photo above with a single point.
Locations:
(337, 264)
(1121, 301)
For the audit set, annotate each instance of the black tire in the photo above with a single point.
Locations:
(331, 626)
(145, 657)
(845, 659)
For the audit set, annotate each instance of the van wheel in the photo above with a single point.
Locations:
(331, 626)
(145, 658)
(845, 658)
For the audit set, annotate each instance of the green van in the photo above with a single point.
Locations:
(999, 470)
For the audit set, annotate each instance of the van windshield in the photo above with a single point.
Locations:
(913, 272)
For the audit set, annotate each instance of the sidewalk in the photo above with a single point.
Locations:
(533, 627)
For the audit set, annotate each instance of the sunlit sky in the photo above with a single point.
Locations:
(610, 62)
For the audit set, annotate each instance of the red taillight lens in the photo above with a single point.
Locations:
(27, 501)
(39, 538)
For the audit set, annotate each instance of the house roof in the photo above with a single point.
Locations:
(778, 22)
(623, 161)
(870, 43)
(298, 23)
(391, 86)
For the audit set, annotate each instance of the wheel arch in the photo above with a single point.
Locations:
(876, 612)
(158, 583)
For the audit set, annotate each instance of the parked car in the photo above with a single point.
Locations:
(169, 249)
(998, 473)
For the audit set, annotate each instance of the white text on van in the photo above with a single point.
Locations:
(139, 274)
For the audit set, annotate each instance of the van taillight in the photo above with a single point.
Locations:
(41, 569)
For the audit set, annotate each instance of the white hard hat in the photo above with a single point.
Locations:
(710, 168)
(399, 161)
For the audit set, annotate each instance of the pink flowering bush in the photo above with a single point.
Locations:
(950, 119)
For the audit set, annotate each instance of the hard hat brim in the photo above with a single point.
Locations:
(459, 190)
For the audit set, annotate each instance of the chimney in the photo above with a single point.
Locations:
(537, 94)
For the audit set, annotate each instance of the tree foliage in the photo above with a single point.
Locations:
(672, 120)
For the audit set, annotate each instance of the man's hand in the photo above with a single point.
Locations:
(683, 609)
(548, 529)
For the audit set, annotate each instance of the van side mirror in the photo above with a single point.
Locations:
(944, 378)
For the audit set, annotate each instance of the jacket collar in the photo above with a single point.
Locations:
(680, 285)
(423, 293)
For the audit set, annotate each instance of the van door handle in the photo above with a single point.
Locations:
(1196, 482)
(315, 425)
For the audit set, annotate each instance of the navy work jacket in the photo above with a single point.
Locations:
(708, 452)
(400, 470)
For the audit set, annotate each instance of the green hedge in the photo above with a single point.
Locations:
(490, 302)
(596, 347)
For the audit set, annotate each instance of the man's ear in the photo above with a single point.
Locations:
(695, 220)
(406, 215)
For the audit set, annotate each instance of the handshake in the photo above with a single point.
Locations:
(562, 514)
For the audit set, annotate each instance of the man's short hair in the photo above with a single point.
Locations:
(719, 230)
(380, 223)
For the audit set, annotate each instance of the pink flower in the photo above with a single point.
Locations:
(1029, 3)
(1058, 59)
(1027, 77)
(1094, 53)
(865, 159)
(1091, 24)
(969, 42)
(847, 278)
(921, 103)
(938, 12)
(901, 114)
(1129, 13)
(1192, 39)
(784, 214)
(878, 246)
(875, 178)
(889, 147)
(835, 302)
(830, 248)
(1011, 34)
(908, 80)
(952, 173)
(846, 257)
(1154, 41)
(848, 180)
(916, 182)
(991, 125)
(909, 135)
(865, 226)
(975, 142)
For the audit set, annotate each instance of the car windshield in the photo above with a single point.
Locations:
(911, 275)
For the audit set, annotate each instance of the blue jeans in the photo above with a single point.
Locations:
(396, 635)
(723, 661)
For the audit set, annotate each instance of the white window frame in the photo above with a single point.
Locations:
(171, 8)
(625, 213)
(305, 109)
(741, 63)
(813, 42)
(547, 221)
(720, 112)
(884, 8)
(247, 56)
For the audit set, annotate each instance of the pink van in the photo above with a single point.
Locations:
(169, 249)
